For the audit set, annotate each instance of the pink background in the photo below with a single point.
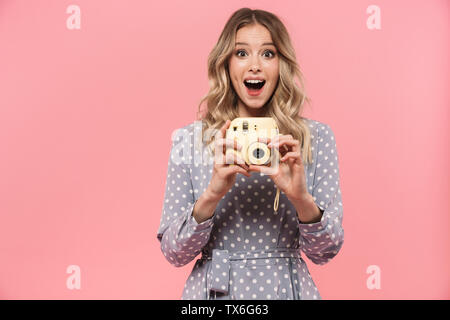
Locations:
(86, 118)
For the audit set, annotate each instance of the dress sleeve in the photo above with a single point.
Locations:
(181, 237)
(322, 240)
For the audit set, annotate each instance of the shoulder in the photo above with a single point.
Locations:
(186, 131)
(324, 143)
(190, 127)
(319, 130)
(316, 125)
(186, 127)
(186, 141)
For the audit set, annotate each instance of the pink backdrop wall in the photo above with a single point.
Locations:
(86, 117)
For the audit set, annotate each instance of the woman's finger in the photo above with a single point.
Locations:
(294, 144)
(277, 141)
(228, 143)
(264, 139)
(223, 129)
(295, 156)
(221, 133)
(219, 159)
(263, 169)
(270, 139)
(222, 143)
(229, 170)
(223, 160)
(280, 139)
(235, 158)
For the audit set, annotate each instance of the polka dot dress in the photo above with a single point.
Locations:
(247, 250)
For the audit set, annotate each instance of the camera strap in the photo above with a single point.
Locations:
(277, 199)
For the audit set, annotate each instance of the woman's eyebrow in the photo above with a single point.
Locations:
(264, 44)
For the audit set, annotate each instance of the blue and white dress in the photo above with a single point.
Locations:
(248, 250)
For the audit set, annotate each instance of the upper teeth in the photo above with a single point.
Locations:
(254, 81)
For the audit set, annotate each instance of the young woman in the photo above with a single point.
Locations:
(249, 250)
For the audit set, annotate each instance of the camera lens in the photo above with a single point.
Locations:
(258, 153)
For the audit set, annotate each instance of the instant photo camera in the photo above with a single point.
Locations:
(246, 131)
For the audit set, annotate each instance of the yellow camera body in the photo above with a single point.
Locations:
(247, 130)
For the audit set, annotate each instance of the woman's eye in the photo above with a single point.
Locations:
(271, 52)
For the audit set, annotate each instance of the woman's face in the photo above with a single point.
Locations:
(254, 58)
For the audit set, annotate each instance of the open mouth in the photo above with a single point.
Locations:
(254, 84)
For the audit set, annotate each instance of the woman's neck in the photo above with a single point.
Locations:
(245, 112)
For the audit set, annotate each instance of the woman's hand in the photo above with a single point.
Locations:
(224, 174)
(289, 174)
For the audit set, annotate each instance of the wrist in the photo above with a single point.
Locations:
(307, 210)
(303, 198)
(211, 196)
(205, 206)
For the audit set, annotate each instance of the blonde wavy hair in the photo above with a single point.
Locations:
(287, 101)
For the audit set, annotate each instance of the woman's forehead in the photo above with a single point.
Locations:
(253, 34)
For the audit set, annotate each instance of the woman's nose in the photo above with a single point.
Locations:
(255, 64)
(254, 68)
